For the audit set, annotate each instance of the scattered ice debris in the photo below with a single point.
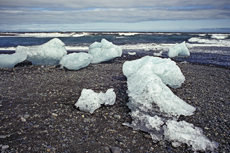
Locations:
(104, 51)
(132, 53)
(154, 107)
(178, 50)
(49, 53)
(89, 100)
(183, 132)
(75, 61)
(10, 60)
(158, 54)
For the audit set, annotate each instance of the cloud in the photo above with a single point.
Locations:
(13, 12)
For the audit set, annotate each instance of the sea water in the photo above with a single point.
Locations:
(206, 48)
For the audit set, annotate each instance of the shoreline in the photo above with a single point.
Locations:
(45, 96)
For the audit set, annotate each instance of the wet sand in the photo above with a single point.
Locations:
(38, 114)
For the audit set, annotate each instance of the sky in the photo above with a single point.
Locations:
(115, 15)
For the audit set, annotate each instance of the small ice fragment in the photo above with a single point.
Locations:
(89, 100)
(10, 60)
(158, 54)
(49, 53)
(104, 51)
(132, 53)
(183, 132)
(178, 49)
(75, 61)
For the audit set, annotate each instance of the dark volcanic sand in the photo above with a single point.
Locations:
(38, 114)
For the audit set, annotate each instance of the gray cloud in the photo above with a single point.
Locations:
(88, 11)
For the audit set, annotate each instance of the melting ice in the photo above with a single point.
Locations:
(154, 107)
(10, 60)
(104, 51)
(49, 53)
(179, 49)
(89, 100)
(75, 61)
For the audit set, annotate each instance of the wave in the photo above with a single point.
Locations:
(220, 36)
(223, 43)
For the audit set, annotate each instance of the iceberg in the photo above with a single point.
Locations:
(104, 51)
(75, 61)
(178, 49)
(10, 60)
(153, 105)
(89, 100)
(49, 53)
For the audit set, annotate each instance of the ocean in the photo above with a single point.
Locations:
(206, 48)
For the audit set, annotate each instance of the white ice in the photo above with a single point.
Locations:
(49, 53)
(132, 53)
(104, 51)
(178, 50)
(75, 61)
(10, 60)
(89, 100)
(158, 54)
(147, 79)
(153, 104)
(183, 132)
(166, 69)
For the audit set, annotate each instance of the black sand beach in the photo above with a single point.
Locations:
(38, 114)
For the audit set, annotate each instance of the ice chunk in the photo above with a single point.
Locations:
(183, 132)
(10, 60)
(158, 54)
(89, 101)
(153, 104)
(132, 53)
(104, 51)
(49, 53)
(178, 49)
(75, 61)
(166, 69)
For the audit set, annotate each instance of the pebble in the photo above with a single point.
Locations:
(117, 116)
(115, 150)
(23, 119)
(2, 136)
(26, 115)
(54, 114)
(5, 147)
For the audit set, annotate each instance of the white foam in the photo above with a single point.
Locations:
(213, 42)
(220, 36)
(45, 34)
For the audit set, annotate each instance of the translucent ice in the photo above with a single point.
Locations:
(75, 61)
(49, 53)
(183, 132)
(89, 100)
(104, 51)
(178, 49)
(10, 60)
(153, 104)
(166, 69)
